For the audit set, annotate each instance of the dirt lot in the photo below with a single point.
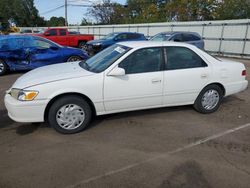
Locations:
(163, 148)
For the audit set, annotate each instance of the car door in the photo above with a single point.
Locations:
(18, 53)
(52, 35)
(185, 75)
(44, 53)
(141, 86)
(62, 39)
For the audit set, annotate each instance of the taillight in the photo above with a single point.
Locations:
(244, 73)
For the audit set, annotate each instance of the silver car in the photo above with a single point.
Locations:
(178, 36)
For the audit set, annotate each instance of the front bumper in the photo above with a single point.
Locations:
(25, 111)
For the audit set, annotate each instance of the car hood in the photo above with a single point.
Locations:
(51, 73)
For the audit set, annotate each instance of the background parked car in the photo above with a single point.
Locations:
(95, 46)
(187, 37)
(63, 37)
(22, 52)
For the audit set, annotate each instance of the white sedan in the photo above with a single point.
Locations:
(124, 77)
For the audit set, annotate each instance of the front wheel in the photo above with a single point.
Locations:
(74, 58)
(69, 114)
(3, 67)
(209, 99)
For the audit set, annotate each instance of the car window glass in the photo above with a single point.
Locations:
(178, 38)
(105, 58)
(41, 44)
(190, 37)
(52, 32)
(121, 37)
(62, 32)
(158, 37)
(182, 58)
(142, 61)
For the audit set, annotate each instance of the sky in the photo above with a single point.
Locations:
(75, 14)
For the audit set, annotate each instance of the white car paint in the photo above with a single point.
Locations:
(111, 94)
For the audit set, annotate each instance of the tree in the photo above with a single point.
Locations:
(22, 11)
(56, 21)
(233, 9)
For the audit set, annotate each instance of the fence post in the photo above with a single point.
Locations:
(245, 40)
(203, 30)
(221, 37)
(148, 31)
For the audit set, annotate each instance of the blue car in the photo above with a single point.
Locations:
(180, 36)
(21, 52)
(94, 46)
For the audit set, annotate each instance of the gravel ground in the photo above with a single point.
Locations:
(162, 148)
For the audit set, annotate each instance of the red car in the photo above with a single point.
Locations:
(63, 37)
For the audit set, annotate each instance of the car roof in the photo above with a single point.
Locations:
(179, 32)
(128, 32)
(145, 44)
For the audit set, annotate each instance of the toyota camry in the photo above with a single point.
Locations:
(124, 77)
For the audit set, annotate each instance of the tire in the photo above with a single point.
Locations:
(74, 58)
(82, 45)
(209, 99)
(64, 119)
(3, 67)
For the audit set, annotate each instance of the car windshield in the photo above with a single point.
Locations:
(110, 36)
(161, 37)
(105, 58)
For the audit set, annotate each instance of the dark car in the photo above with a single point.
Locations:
(21, 52)
(95, 46)
(178, 36)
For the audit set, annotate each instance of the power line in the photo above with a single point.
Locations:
(52, 10)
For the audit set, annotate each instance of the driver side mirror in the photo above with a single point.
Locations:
(117, 72)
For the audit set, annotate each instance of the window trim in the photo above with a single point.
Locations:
(166, 59)
(162, 59)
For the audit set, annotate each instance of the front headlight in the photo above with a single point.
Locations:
(23, 95)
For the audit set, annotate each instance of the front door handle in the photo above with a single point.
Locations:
(154, 81)
(204, 75)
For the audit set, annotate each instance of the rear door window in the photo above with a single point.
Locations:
(190, 37)
(182, 58)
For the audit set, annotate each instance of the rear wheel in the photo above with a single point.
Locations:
(209, 99)
(69, 114)
(74, 58)
(3, 67)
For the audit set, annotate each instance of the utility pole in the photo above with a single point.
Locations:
(66, 13)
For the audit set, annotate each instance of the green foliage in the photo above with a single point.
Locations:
(234, 9)
(147, 11)
(56, 21)
(22, 11)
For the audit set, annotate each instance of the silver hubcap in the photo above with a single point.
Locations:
(72, 59)
(1, 66)
(70, 116)
(210, 99)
